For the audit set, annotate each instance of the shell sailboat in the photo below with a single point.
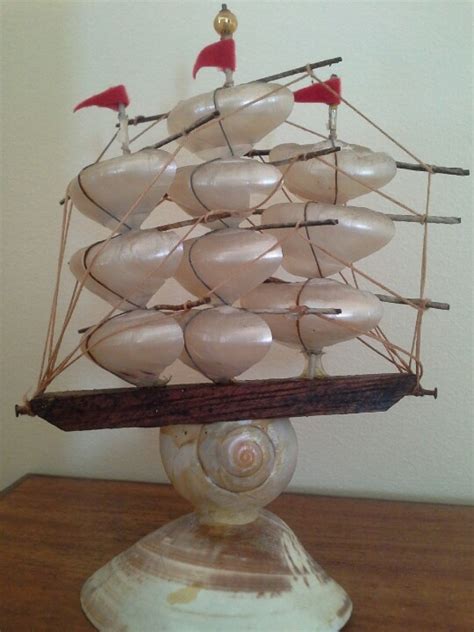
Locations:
(228, 445)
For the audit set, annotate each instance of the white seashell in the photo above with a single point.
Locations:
(228, 470)
(232, 260)
(316, 181)
(242, 129)
(231, 184)
(223, 342)
(106, 191)
(136, 346)
(361, 312)
(359, 233)
(132, 266)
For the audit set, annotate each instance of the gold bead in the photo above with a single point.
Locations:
(225, 22)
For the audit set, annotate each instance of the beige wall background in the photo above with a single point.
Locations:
(408, 65)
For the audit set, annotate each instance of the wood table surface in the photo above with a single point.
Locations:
(406, 566)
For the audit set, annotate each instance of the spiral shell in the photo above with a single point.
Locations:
(238, 460)
(228, 470)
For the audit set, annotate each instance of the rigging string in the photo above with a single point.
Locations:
(392, 357)
(45, 377)
(221, 118)
(193, 188)
(423, 275)
(391, 351)
(49, 373)
(369, 120)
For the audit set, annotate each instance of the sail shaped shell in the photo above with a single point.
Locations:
(107, 190)
(359, 233)
(228, 263)
(267, 106)
(231, 184)
(223, 342)
(136, 346)
(314, 180)
(128, 270)
(361, 312)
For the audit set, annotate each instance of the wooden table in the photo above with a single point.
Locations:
(406, 566)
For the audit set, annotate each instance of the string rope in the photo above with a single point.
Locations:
(219, 120)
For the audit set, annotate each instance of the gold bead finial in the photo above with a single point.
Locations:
(225, 22)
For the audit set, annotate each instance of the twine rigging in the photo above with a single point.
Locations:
(50, 370)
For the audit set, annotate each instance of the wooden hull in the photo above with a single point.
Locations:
(207, 403)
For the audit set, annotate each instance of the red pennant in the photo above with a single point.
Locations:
(220, 55)
(110, 98)
(318, 93)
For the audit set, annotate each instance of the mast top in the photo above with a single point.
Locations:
(225, 22)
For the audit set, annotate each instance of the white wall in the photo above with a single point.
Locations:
(407, 64)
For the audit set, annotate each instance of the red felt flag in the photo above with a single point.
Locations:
(220, 55)
(318, 92)
(110, 98)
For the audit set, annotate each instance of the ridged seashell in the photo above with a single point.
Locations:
(359, 233)
(230, 467)
(232, 260)
(242, 129)
(106, 191)
(223, 342)
(231, 184)
(136, 346)
(132, 266)
(361, 312)
(316, 181)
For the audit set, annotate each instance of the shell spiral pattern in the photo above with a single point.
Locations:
(237, 460)
(229, 470)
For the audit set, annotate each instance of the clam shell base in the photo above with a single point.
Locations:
(191, 576)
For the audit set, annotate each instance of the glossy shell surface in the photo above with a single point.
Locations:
(189, 576)
(136, 346)
(229, 470)
(230, 262)
(361, 312)
(319, 182)
(359, 233)
(233, 184)
(223, 342)
(128, 270)
(240, 130)
(107, 190)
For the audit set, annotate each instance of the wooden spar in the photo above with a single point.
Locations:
(449, 171)
(138, 120)
(299, 69)
(430, 219)
(153, 407)
(302, 157)
(426, 303)
(385, 298)
(187, 130)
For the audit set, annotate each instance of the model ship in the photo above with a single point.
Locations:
(239, 307)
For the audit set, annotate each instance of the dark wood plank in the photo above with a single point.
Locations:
(207, 403)
(407, 566)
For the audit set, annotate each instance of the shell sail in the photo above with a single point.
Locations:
(250, 111)
(223, 342)
(360, 170)
(128, 270)
(238, 185)
(228, 263)
(136, 346)
(359, 233)
(359, 312)
(120, 193)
